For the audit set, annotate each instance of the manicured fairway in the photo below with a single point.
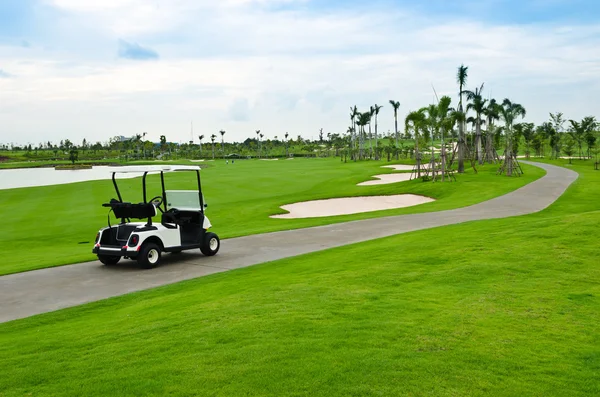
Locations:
(55, 225)
(501, 307)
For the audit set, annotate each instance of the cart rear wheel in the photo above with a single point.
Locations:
(211, 244)
(109, 259)
(149, 255)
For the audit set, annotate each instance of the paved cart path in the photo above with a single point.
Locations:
(45, 290)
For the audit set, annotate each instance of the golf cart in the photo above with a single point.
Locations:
(182, 226)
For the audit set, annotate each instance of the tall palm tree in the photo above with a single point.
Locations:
(415, 120)
(259, 143)
(287, 153)
(446, 120)
(363, 120)
(371, 113)
(396, 106)
(509, 112)
(222, 132)
(557, 120)
(477, 105)
(376, 109)
(200, 138)
(430, 132)
(353, 116)
(492, 113)
(461, 79)
(212, 139)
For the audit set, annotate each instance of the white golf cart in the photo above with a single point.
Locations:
(183, 224)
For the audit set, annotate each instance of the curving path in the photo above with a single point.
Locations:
(40, 291)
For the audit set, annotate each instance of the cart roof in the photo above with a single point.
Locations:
(155, 168)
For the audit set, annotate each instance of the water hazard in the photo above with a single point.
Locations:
(30, 177)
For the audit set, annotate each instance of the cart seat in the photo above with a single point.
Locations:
(135, 211)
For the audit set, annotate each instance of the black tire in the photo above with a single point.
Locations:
(211, 244)
(149, 256)
(109, 259)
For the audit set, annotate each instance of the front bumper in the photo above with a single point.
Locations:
(114, 251)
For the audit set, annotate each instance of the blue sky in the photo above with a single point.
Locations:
(97, 68)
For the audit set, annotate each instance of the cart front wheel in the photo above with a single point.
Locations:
(149, 256)
(211, 244)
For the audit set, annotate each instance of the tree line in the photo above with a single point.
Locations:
(495, 127)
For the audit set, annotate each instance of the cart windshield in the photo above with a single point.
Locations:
(183, 200)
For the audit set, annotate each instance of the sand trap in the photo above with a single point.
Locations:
(384, 179)
(403, 167)
(269, 159)
(399, 167)
(196, 161)
(350, 205)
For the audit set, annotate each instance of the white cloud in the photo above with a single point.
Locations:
(239, 66)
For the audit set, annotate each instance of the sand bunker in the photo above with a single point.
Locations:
(350, 205)
(269, 159)
(384, 179)
(399, 167)
(403, 167)
(196, 161)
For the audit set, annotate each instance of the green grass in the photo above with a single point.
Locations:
(500, 307)
(55, 225)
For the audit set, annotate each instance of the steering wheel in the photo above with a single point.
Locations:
(157, 202)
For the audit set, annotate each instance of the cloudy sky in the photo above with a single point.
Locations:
(99, 68)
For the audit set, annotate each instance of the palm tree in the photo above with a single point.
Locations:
(163, 143)
(259, 143)
(200, 138)
(376, 109)
(557, 121)
(222, 132)
(491, 112)
(415, 120)
(212, 139)
(363, 120)
(461, 79)
(431, 123)
(287, 154)
(353, 115)
(446, 118)
(396, 106)
(371, 113)
(509, 112)
(477, 104)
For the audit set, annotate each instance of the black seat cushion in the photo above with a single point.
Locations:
(135, 211)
